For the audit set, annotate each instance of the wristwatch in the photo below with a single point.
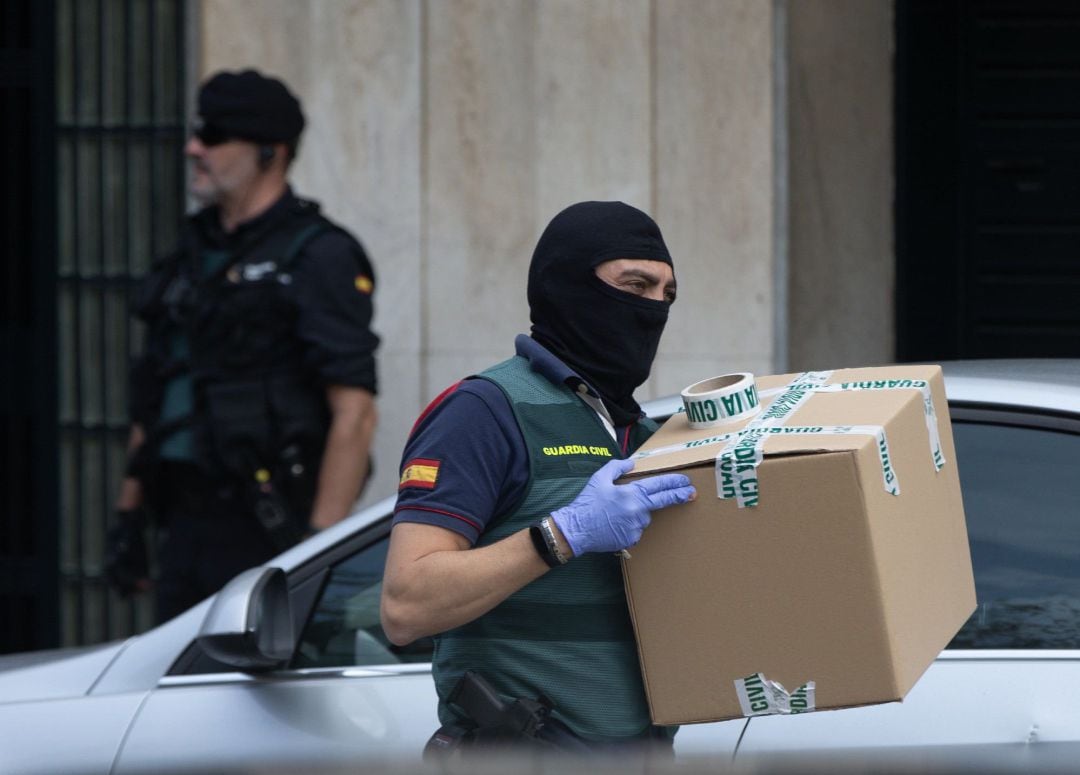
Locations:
(543, 538)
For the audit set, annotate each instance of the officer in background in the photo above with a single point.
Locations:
(253, 404)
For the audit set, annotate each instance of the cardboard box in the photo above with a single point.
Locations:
(829, 578)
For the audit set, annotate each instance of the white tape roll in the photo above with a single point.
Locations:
(720, 400)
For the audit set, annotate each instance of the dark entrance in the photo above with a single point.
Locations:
(28, 530)
(988, 178)
(92, 125)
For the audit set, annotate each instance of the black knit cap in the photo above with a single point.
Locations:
(251, 106)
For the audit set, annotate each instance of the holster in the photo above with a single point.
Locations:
(492, 722)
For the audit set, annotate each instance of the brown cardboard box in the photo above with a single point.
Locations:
(829, 578)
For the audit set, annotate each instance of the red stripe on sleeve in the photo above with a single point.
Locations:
(434, 403)
(466, 520)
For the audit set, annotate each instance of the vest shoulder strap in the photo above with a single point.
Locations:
(302, 238)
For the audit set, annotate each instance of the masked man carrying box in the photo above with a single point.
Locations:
(508, 518)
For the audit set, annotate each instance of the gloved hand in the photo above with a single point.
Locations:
(606, 517)
(127, 567)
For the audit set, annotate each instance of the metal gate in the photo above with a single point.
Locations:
(120, 109)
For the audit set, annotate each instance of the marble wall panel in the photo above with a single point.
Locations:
(531, 107)
(398, 404)
(714, 167)
(593, 103)
(356, 66)
(672, 375)
(841, 184)
(479, 182)
(448, 133)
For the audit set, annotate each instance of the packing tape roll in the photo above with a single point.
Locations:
(719, 400)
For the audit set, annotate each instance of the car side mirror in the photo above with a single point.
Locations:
(249, 624)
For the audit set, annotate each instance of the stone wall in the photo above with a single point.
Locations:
(447, 133)
(841, 259)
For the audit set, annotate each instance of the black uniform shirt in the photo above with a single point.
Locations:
(328, 286)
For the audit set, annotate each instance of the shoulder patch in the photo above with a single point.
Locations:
(420, 472)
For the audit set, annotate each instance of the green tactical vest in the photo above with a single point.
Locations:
(568, 634)
(178, 413)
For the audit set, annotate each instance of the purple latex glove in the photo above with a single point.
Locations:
(606, 517)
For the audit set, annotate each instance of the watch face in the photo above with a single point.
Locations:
(539, 539)
(552, 544)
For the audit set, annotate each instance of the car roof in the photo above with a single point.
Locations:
(1038, 383)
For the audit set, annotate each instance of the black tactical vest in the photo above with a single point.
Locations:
(253, 405)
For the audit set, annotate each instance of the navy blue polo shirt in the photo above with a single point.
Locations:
(465, 462)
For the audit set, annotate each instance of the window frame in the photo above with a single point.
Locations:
(305, 584)
(1014, 416)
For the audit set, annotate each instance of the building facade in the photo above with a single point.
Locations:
(817, 169)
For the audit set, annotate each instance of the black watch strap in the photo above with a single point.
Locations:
(536, 533)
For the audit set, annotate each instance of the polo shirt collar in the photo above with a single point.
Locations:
(547, 365)
(544, 363)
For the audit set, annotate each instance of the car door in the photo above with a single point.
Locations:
(347, 696)
(1011, 676)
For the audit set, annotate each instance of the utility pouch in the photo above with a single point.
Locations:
(299, 411)
(273, 513)
(300, 420)
(237, 430)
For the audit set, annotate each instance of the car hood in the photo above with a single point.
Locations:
(55, 674)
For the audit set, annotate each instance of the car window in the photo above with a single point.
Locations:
(1022, 500)
(343, 629)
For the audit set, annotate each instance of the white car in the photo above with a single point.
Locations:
(302, 676)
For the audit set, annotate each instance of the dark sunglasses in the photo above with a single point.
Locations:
(210, 135)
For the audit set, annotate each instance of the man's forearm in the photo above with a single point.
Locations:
(345, 459)
(344, 465)
(445, 588)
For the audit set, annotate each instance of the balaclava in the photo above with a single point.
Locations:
(607, 336)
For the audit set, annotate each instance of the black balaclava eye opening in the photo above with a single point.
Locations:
(607, 336)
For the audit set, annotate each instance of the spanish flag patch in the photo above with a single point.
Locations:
(363, 283)
(420, 472)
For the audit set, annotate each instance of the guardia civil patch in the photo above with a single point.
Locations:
(420, 472)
